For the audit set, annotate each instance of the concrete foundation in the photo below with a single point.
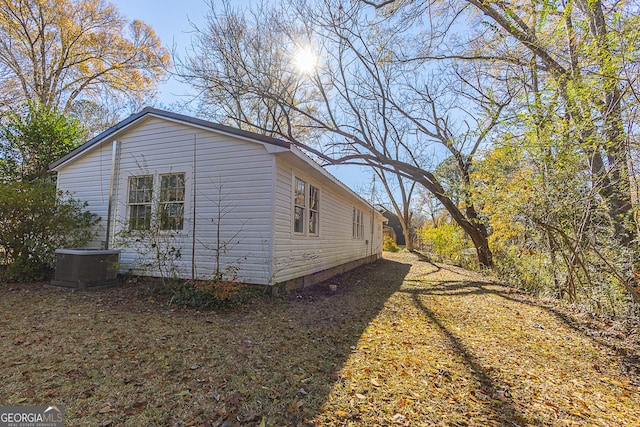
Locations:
(320, 276)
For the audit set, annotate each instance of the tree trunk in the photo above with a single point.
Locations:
(406, 221)
(474, 228)
(408, 238)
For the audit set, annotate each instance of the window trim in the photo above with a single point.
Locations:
(162, 204)
(314, 210)
(357, 227)
(156, 200)
(307, 210)
(130, 223)
(297, 206)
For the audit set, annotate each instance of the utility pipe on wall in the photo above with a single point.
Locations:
(114, 153)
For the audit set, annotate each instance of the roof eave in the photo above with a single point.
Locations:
(111, 132)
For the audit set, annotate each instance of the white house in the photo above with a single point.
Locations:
(187, 197)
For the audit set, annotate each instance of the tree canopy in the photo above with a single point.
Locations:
(529, 109)
(33, 137)
(55, 52)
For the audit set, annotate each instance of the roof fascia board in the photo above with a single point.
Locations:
(272, 145)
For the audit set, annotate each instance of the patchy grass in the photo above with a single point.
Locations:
(402, 342)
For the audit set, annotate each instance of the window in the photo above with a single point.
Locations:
(313, 210)
(306, 210)
(299, 200)
(140, 198)
(172, 201)
(168, 206)
(358, 224)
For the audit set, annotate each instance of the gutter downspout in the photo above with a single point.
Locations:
(114, 153)
(193, 219)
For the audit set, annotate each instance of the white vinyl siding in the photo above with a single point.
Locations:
(241, 191)
(334, 246)
(231, 180)
(87, 179)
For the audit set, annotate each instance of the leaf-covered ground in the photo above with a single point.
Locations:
(401, 342)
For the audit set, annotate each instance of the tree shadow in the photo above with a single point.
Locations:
(326, 327)
(499, 406)
(630, 360)
(270, 358)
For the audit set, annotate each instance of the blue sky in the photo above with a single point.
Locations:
(171, 22)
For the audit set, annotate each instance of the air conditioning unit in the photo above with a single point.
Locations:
(86, 268)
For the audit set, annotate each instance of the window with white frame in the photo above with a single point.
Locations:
(306, 209)
(299, 200)
(358, 224)
(172, 201)
(313, 210)
(168, 207)
(140, 202)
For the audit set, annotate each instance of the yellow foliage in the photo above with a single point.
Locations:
(56, 50)
(389, 245)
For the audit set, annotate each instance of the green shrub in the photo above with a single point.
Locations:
(389, 245)
(35, 220)
(447, 240)
(207, 294)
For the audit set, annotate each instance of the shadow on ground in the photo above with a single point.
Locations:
(630, 358)
(123, 357)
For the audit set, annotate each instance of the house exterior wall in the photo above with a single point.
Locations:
(230, 184)
(238, 205)
(87, 179)
(297, 255)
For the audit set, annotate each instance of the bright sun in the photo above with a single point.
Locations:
(305, 60)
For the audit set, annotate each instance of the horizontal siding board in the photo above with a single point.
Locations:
(238, 180)
(243, 171)
(296, 256)
(88, 181)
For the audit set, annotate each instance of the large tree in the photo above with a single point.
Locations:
(560, 201)
(31, 138)
(58, 51)
(573, 62)
(240, 55)
(372, 108)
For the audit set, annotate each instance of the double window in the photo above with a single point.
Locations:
(306, 209)
(168, 206)
(358, 224)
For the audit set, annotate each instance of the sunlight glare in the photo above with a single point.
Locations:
(305, 60)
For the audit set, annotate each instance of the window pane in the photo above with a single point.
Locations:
(358, 224)
(299, 192)
(313, 222)
(140, 197)
(313, 198)
(140, 217)
(172, 188)
(298, 220)
(140, 189)
(353, 225)
(172, 191)
(172, 216)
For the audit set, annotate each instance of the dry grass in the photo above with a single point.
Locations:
(402, 342)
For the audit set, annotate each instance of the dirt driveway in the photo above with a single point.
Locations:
(401, 342)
